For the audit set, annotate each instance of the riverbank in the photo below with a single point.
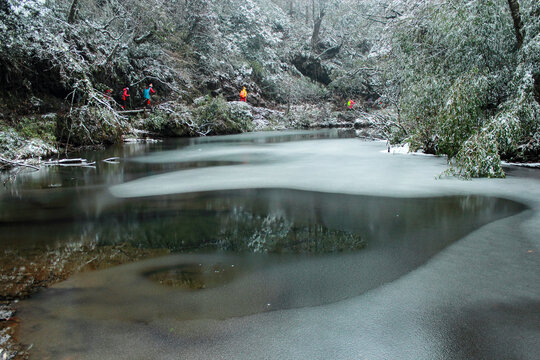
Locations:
(31, 140)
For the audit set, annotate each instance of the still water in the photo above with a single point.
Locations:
(235, 252)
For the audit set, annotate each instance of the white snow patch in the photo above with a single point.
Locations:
(529, 165)
(5, 314)
(404, 149)
(400, 149)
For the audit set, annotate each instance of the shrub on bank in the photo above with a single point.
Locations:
(88, 125)
(478, 157)
(9, 142)
(209, 116)
(310, 116)
(29, 137)
(218, 116)
(170, 119)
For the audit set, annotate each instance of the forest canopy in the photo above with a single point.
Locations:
(462, 78)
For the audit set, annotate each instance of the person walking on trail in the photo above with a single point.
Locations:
(350, 104)
(146, 93)
(125, 95)
(243, 94)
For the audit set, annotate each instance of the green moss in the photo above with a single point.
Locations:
(40, 127)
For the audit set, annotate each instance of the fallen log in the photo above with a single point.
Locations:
(69, 162)
(17, 163)
(132, 111)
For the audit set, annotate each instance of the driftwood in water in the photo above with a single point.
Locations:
(112, 160)
(70, 162)
(78, 162)
(18, 163)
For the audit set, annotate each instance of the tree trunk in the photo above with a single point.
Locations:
(316, 31)
(72, 12)
(518, 25)
(537, 87)
(291, 8)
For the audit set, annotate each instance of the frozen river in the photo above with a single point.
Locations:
(429, 269)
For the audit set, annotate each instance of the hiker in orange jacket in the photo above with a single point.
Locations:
(243, 94)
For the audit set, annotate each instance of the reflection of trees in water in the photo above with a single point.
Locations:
(234, 230)
(245, 231)
(293, 222)
(174, 232)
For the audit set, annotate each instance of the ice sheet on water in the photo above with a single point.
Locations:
(332, 165)
(477, 298)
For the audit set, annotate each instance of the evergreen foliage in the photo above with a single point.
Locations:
(468, 87)
(456, 73)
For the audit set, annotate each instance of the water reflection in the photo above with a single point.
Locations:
(256, 220)
(276, 249)
(245, 231)
(273, 137)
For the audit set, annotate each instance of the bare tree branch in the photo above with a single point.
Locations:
(17, 163)
(143, 38)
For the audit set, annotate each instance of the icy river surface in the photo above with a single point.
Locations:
(298, 245)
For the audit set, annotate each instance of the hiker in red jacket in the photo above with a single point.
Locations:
(125, 95)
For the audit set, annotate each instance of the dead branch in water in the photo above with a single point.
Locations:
(69, 162)
(18, 163)
(112, 160)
